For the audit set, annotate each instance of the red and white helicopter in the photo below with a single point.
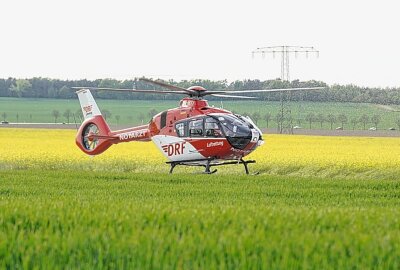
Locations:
(193, 134)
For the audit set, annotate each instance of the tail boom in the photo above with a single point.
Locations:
(94, 135)
(139, 133)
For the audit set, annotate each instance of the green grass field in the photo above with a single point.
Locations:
(318, 203)
(87, 220)
(40, 110)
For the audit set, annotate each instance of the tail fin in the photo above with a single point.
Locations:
(88, 104)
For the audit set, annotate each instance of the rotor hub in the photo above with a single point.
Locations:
(197, 88)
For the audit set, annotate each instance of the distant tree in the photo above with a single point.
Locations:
(289, 120)
(151, 113)
(267, 117)
(67, 114)
(117, 117)
(310, 118)
(299, 121)
(65, 92)
(354, 122)
(320, 118)
(364, 119)
(279, 119)
(55, 114)
(79, 115)
(342, 118)
(17, 117)
(331, 119)
(111, 83)
(20, 87)
(376, 119)
(4, 115)
(106, 114)
(30, 118)
(398, 123)
(141, 117)
(256, 116)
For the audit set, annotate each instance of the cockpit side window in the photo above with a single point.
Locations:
(212, 128)
(196, 128)
(181, 129)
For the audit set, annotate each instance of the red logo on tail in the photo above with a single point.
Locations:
(88, 108)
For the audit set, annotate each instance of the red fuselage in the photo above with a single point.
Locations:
(193, 131)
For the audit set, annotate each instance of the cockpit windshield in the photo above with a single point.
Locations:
(237, 130)
(233, 126)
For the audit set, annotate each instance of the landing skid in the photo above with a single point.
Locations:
(207, 164)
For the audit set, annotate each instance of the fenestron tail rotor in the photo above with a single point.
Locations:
(89, 137)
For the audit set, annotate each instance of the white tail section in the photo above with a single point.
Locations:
(88, 104)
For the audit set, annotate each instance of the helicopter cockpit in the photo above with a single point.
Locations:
(237, 129)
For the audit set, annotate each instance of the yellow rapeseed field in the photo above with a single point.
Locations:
(336, 157)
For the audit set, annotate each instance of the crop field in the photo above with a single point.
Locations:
(129, 111)
(318, 203)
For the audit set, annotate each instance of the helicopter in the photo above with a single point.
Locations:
(193, 134)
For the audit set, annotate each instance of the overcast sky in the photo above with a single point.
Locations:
(71, 39)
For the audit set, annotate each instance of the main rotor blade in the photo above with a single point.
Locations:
(230, 96)
(133, 90)
(271, 90)
(169, 86)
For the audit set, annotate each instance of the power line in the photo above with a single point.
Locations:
(285, 123)
(285, 52)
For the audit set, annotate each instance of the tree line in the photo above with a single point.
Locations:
(61, 89)
(312, 120)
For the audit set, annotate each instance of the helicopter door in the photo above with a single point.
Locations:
(212, 128)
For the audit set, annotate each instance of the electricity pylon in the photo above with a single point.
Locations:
(285, 123)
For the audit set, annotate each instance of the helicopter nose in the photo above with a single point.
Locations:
(247, 140)
(256, 137)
